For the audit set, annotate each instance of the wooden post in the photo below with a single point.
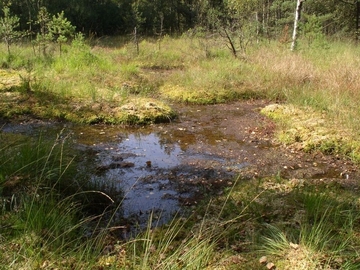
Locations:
(296, 23)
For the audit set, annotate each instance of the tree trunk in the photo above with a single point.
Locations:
(231, 43)
(357, 20)
(296, 23)
(136, 41)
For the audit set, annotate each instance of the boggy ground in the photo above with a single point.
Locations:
(220, 142)
(223, 141)
(245, 138)
(239, 140)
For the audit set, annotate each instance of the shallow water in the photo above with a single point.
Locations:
(161, 168)
(141, 163)
(144, 187)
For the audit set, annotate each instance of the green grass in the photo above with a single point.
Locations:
(189, 69)
(326, 237)
(44, 201)
(308, 129)
(45, 222)
(294, 226)
(82, 85)
(43, 208)
(300, 225)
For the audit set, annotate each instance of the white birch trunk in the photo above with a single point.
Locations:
(296, 23)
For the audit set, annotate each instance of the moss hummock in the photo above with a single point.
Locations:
(309, 130)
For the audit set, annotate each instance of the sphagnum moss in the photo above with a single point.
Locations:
(309, 130)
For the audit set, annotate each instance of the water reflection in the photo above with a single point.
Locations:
(144, 181)
(157, 168)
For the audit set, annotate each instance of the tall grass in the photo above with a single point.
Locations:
(42, 226)
(296, 226)
(165, 250)
(325, 242)
(322, 237)
(201, 70)
(189, 242)
(41, 215)
(324, 79)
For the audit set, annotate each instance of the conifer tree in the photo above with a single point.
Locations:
(60, 29)
(8, 25)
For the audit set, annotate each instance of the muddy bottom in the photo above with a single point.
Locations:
(161, 168)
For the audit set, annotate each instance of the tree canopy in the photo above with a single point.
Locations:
(111, 17)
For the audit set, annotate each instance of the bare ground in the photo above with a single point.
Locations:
(239, 133)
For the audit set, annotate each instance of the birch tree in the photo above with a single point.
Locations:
(296, 23)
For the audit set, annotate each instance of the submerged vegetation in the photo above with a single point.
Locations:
(296, 224)
(293, 224)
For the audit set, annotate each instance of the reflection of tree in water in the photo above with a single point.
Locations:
(138, 134)
(182, 138)
(212, 136)
(166, 143)
(185, 139)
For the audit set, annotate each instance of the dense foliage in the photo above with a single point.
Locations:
(267, 18)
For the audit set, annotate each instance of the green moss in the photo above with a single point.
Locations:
(143, 111)
(197, 96)
(48, 105)
(308, 130)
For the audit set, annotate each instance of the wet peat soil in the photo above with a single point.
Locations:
(219, 143)
(206, 149)
(238, 132)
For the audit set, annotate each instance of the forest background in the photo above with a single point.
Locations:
(265, 18)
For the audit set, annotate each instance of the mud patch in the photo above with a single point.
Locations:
(161, 168)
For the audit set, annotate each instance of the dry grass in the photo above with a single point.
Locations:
(111, 75)
(112, 78)
(326, 80)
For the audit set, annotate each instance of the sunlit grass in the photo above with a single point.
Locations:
(200, 70)
(324, 239)
(324, 79)
(295, 223)
(297, 226)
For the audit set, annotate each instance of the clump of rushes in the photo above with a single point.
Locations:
(324, 239)
(45, 205)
